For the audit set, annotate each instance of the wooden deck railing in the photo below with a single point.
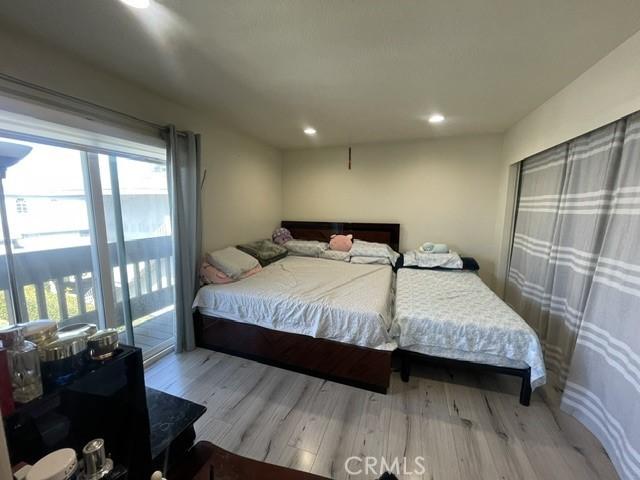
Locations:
(59, 283)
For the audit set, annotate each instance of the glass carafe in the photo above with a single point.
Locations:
(24, 365)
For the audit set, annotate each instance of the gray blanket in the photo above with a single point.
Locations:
(265, 251)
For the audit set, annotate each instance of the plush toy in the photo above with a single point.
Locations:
(342, 243)
(281, 236)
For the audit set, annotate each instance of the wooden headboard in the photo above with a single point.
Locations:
(388, 233)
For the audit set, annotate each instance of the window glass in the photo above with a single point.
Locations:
(140, 189)
(49, 228)
(52, 220)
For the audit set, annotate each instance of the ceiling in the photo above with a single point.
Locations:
(356, 70)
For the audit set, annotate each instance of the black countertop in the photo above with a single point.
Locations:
(169, 417)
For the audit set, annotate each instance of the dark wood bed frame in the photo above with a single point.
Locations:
(388, 233)
(362, 367)
(341, 362)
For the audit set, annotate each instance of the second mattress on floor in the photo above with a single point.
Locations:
(453, 314)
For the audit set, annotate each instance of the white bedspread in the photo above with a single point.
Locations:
(310, 296)
(455, 315)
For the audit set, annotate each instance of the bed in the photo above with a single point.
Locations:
(321, 317)
(320, 298)
(452, 317)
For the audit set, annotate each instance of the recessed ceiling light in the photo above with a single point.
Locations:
(310, 131)
(137, 3)
(436, 118)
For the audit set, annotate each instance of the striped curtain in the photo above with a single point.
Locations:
(575, 277)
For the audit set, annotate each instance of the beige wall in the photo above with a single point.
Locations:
(610, 89)
(389, 181)
(238, 166)
(443, 190)
(245, 185)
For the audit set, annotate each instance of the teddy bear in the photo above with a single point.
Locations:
(342, 243)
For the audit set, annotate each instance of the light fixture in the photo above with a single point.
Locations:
(310, 131)
(137, 3)
(436, 118)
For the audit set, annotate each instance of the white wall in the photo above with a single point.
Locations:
(238, 167)
(242, 199)
(443, 190)
(243, 194)
(608, 90)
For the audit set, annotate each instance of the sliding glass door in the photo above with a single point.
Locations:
(48, 219)
(138, 225)
(91, 242)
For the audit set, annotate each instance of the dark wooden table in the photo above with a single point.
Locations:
(205, 461)
(171, 422)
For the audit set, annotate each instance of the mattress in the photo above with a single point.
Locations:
(310, 296)
(455, 315)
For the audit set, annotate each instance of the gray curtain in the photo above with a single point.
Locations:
(183, 158)
(575, 277)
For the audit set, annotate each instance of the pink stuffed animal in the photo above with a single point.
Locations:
(342, 243)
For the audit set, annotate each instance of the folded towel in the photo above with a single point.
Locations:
(434, 248)
(426, 247)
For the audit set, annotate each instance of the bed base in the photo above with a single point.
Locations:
(524, 373)
(352, 365)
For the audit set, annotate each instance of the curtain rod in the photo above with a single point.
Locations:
(64, 96)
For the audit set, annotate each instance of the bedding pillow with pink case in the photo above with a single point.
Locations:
(211, 275)
(231, 261)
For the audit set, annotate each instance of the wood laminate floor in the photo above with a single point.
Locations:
(464, 425)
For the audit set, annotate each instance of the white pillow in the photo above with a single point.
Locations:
(416, 258)
(306, 248)
(232, 262)
(371, 249)
(371, 260)
(336, 255)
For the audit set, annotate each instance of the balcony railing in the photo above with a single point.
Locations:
(59, 283)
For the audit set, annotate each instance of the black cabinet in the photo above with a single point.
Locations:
(107, 400)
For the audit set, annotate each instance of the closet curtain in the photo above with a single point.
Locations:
(183, 160)
(575, 277)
